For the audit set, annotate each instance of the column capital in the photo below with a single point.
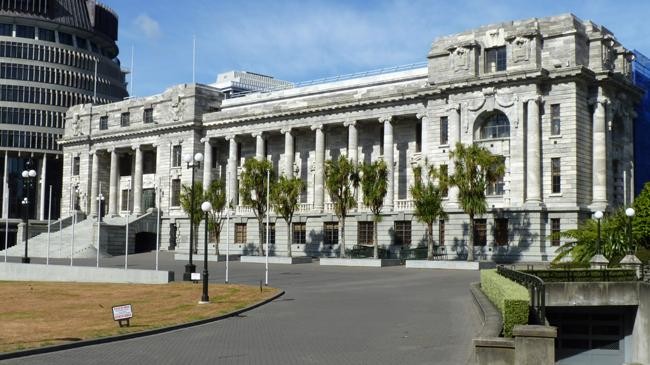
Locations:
(230, 137)
(285, 130)
(135, 147)
(536, 98)
(205, 139)
(111, 150)
(257, 134)
(385, 118)
(422, 115)
(316, 126)
(350, 123)
(452, 106)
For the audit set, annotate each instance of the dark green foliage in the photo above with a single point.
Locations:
(341, 179)
(374, 185)
(216, 195)
(510, 298)
(427, 192)
(284, 200)
(641, 221)
(475, 168)
(253, 178)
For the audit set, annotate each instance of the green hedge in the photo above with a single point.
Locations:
(511, 298)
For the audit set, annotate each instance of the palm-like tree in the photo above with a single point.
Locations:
(427, 192)
(374, 185)
(253, 178)
(216, 195)
(284, 200)
(193, 206)
(341, 179)
(475, 169)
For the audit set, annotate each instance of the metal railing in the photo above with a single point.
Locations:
(535, 286)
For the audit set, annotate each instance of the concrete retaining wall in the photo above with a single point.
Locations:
(276, 260)
(441, 264)
(359, 262)
(37, 272)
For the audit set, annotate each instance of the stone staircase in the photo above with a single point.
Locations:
(85, 237)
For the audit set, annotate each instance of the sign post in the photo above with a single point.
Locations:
(122, 314)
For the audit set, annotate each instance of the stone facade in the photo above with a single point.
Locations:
(550, 95)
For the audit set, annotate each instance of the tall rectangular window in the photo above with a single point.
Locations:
(495, 59)
(125, 119)
(126, 195)
(555, 231)
(75, 166)
(381, 140)
(555, 119)
(444, 130)
(480, 232)
(46, 35)
(176, 155)
(556, 186)
(65, 38)
(441, 232)
(501, 231)
(240, 233)
(176, 193)
(103, 123)
(147, 115)
(444, 180)
(25, 31)
(418, 136)
(271, 234)
(402, 232)
(299, 233)
(364, 233)
(331, 233)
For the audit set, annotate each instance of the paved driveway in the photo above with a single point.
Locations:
(329, 315)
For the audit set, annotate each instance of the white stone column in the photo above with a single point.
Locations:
(5, 187)
(353, 141)
(259, 145)
(43, 189)
(207, 163)
(390, 162)
(137, 181)
(319, 188)
(289, 153)
(599, 148)
(232, 170)
(159, 173)
(453, 137)
(533, 153)
(112, 187)
(94, 184)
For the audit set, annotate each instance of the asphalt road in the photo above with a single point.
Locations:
(329, 315)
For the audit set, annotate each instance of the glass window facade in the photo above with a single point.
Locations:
(25, 31)
(46, 35)
(66, 38)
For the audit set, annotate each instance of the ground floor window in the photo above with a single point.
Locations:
(402, 232)
(331, 233)
(176, 193)
(271, 234)
(555, 231)
(364, 233)
(480, 232)
(148, 198)
(441, 232)
(501, 231)
(299, 233)
(240, 233)
(125, 199)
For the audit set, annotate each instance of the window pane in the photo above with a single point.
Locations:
(25, 31)
(555, 231)
(364, 233)
(444, 130)
(65, 38)
(46, 35)
(441, 233)
(176, 156)
(501, 231)
(176, 193)
(555, 119)
(331, 233)
(480, 232)
(148, 115)
(299, 230)
(240, 233)
(555, 175)
(125, 119)
(402, 232)
(495, 125)
(103, 123)
(6, 29)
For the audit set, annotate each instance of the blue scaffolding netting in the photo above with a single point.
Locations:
(641, 77)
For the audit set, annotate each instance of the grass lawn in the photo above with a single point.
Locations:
(34, 314)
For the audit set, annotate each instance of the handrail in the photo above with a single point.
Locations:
(535, 286)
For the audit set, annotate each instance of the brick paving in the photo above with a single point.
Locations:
(329, 315)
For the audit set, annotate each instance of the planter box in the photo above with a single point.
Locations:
(445, 265)
(197, 258)
(283, 260)
(359, 262)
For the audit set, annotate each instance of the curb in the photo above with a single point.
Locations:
(127, 336)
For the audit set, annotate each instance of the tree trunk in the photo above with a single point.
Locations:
(374, 239)
(217, 234)
(470, 250)
(196, 239)
(260, 248)
(430, 241)
(289, 238)
(342, 237)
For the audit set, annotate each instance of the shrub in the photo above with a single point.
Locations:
(511, 298)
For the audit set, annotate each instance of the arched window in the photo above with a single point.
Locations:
(494, 125)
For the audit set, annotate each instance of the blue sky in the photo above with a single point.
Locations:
(305, 40)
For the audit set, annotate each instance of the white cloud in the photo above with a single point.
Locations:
(148, 26)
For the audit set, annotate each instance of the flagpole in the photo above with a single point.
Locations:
(158, 224)
(126, 239)
(268, 179)
(227, 221)
(49, 216)
(7, 225)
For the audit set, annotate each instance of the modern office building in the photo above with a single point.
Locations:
(553, 96)
(641, 77)
(54, 54)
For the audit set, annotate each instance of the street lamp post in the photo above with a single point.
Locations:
(206, 207)
(630, 261)
(193, 162)
(629, 212)
(598, 261)
(28, 179)
(100, 199)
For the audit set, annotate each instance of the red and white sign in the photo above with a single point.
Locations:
(121, 312)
